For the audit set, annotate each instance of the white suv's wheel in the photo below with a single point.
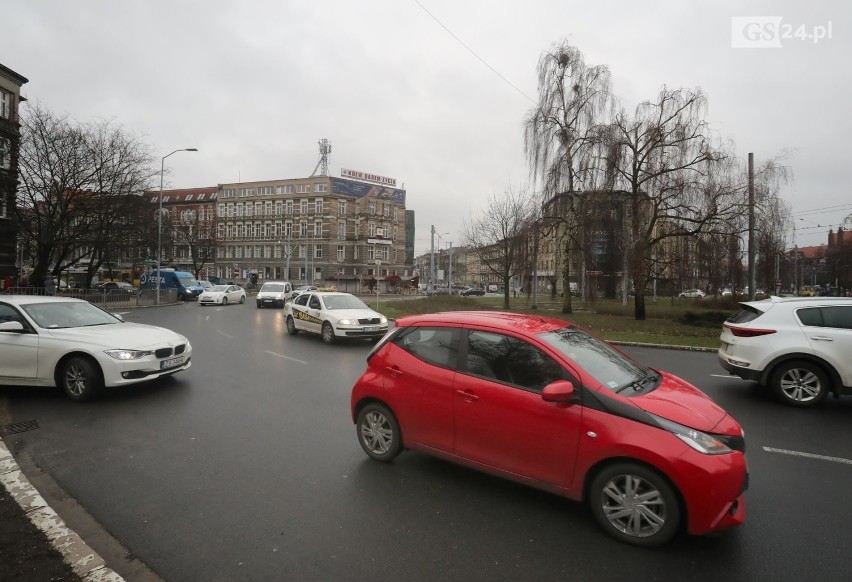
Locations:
(799, 383)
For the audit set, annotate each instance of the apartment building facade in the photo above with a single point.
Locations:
(10, 140)
(189, 228)
(320, 230)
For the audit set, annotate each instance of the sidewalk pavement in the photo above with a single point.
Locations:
(35, 543)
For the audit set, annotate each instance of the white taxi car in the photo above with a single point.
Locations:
(334, 316)
(72, 344)
(222, 295)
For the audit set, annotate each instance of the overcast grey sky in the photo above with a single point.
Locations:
(254, 84)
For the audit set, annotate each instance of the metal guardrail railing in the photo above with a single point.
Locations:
(107, 299)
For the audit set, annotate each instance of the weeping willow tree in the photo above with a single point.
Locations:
(561, 138)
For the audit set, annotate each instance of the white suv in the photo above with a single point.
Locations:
(799, 347)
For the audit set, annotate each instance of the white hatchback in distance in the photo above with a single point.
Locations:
(799, 347)
(334, 316)
(72, 344)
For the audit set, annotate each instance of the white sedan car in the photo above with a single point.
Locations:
(334, 316)
(70, 343)
(222, 295)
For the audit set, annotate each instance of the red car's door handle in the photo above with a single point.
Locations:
(469, 396)
(393, 371)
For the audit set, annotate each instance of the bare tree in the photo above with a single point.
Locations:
(196, 230)
(498, 238)
(664, 155)
(72, 180)
(561, 134)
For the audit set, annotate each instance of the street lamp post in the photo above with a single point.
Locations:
(378, 267)
(160, 218)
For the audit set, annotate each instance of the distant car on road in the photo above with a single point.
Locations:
(302, 289)
(116, 286)
(80, 348)
(274, 294)
(334, 316)
(693, 293)
(222, 295)
(473, 291)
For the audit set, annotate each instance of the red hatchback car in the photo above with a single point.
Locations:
(543, 402)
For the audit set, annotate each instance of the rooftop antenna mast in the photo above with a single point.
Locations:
(325, 153)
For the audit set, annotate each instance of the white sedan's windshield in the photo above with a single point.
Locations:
(68, 314)
(343, 302)
(272, 288)
(218, 288)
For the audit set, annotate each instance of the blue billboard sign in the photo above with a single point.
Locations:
(362, 190)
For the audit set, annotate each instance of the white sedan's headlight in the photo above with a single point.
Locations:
(128, 354)
(348, 322)
(383, 320)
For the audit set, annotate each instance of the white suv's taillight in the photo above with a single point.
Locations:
(748, 331)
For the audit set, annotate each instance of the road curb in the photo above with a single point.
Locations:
(664, 346)
(77, 554)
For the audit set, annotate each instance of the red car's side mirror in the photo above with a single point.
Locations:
(560, 391)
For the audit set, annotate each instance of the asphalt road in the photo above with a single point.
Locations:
(246, 467)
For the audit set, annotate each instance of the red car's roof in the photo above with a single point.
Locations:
(530, 324)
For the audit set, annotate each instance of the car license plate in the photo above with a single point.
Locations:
(371, 329)
(171, 363)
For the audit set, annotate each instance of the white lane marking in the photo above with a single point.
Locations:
(808, 455)
(729, 377)
(285, 357)
(227, 335)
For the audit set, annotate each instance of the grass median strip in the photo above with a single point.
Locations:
(672, 322)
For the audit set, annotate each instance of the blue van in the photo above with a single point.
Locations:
(185, 283)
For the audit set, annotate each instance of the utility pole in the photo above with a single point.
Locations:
(431, 286)
(451, 268)
(751, 253)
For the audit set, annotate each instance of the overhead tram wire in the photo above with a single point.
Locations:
(471, 51)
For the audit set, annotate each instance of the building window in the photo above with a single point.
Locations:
(318, 206)
(372, 207)
(386, 210)
(5, 153)
(304, 188)
(287, 189)
(371, 232)
(5, 104)
(279, 208)
(317, 251)
(341, 253)
(321, 187)
(289, 207)
(288, 229)
(303, 229)
(341, 208)
(371, 253)
(341, 230)
(201, 196)
(303, 206)
(318, 229)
